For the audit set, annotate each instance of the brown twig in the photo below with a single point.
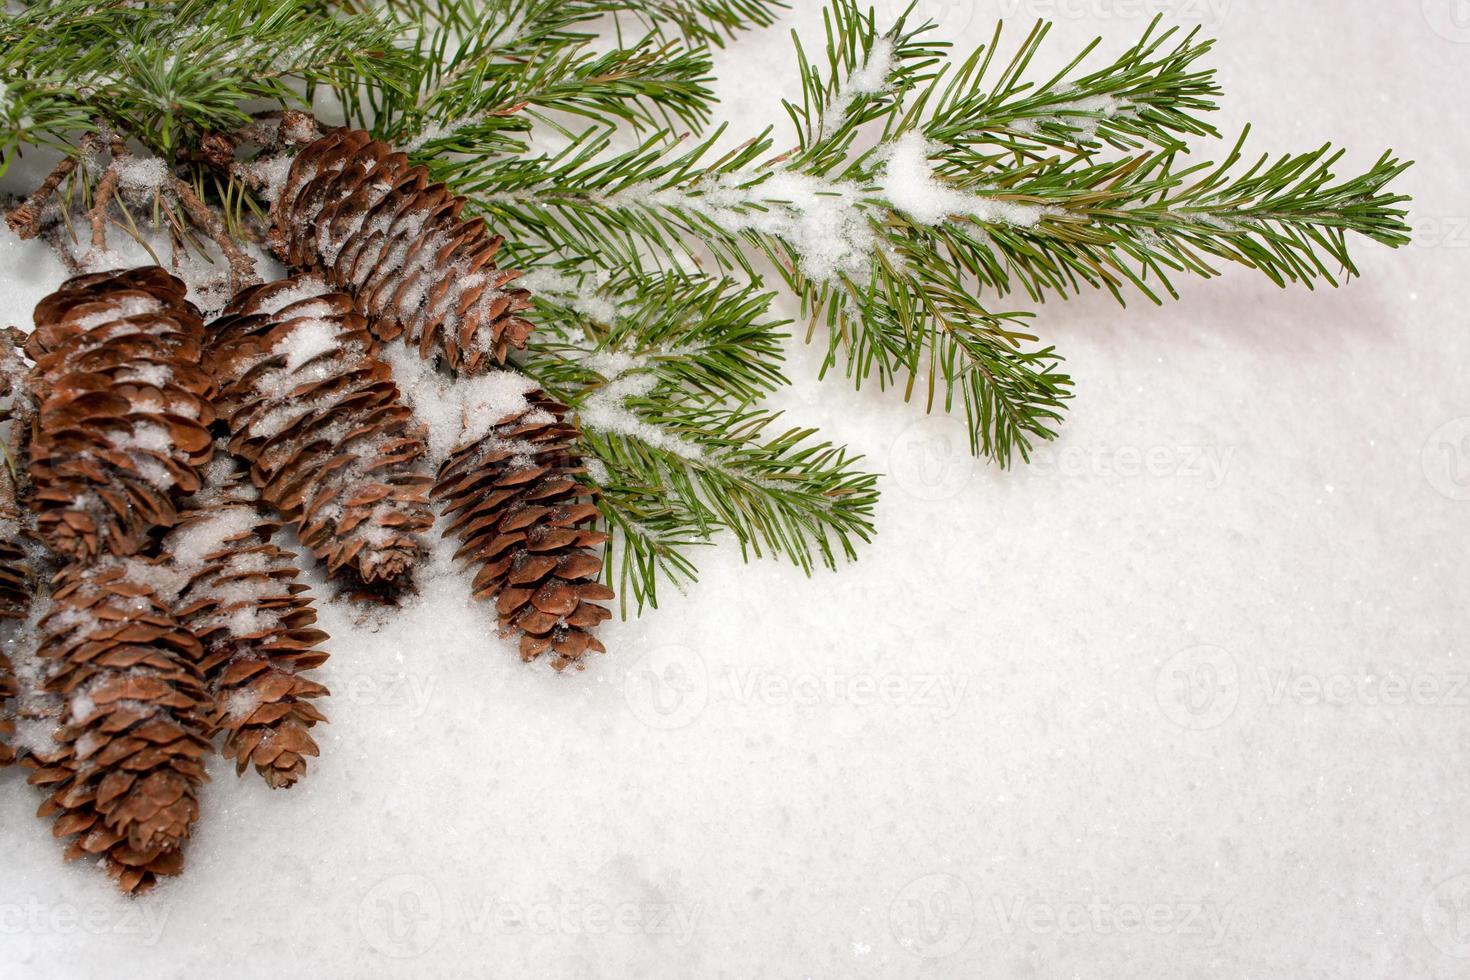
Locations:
(106, 187)
(242, 267)
(175, 237)
(55, 236)
(20, 414)
(25, 218)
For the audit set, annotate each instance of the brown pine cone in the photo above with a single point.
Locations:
(256, 625)
(16, 587)
(316, 413)
(518, 509)
(374, 226)
(127, 763)
(239, 595)
(124, 410)
(17, 583)
(7, 727)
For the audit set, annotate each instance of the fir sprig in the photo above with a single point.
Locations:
(490, 71)
(664, 372)
(166, 73)
(1015, 189)
(918, 193)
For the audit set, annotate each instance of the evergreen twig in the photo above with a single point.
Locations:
(918, 192)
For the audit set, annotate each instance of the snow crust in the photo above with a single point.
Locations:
(457, 411)
(1145, 707)
(140, 174)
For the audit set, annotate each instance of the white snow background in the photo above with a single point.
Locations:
(1187, 697)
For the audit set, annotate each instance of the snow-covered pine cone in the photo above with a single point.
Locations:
(16, 587)
(7, 727)
(356, 211)
(17, 583)
(124, 410)
(239, 595)
(516, 505)
(317, 415)
(127, 762)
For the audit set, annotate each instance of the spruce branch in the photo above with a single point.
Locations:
(721, 469)
(491, 72)
(663, 372)
(706, 337)
(918, 193)
(167, 73)
(921, 197)
(696, 22)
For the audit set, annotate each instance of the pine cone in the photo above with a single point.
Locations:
(7, 727)
(255, 621)
(374, 226)
(515, 503)
(316, 413)
(128, 760)
(16, 586)
(124, 410)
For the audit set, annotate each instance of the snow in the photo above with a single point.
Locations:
(119, 309)
(828, 223)
(570, 293)
(969, 754)
(871, 78)
(457, 412)
(307, 341)
(909, 184)
(607, 409)
(191, 545)
(140, 174)
(271, 171)
(1084, 114)
(820, 219)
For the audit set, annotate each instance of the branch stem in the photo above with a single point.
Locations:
(25, 218)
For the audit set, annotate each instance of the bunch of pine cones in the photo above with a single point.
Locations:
(158, 457)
